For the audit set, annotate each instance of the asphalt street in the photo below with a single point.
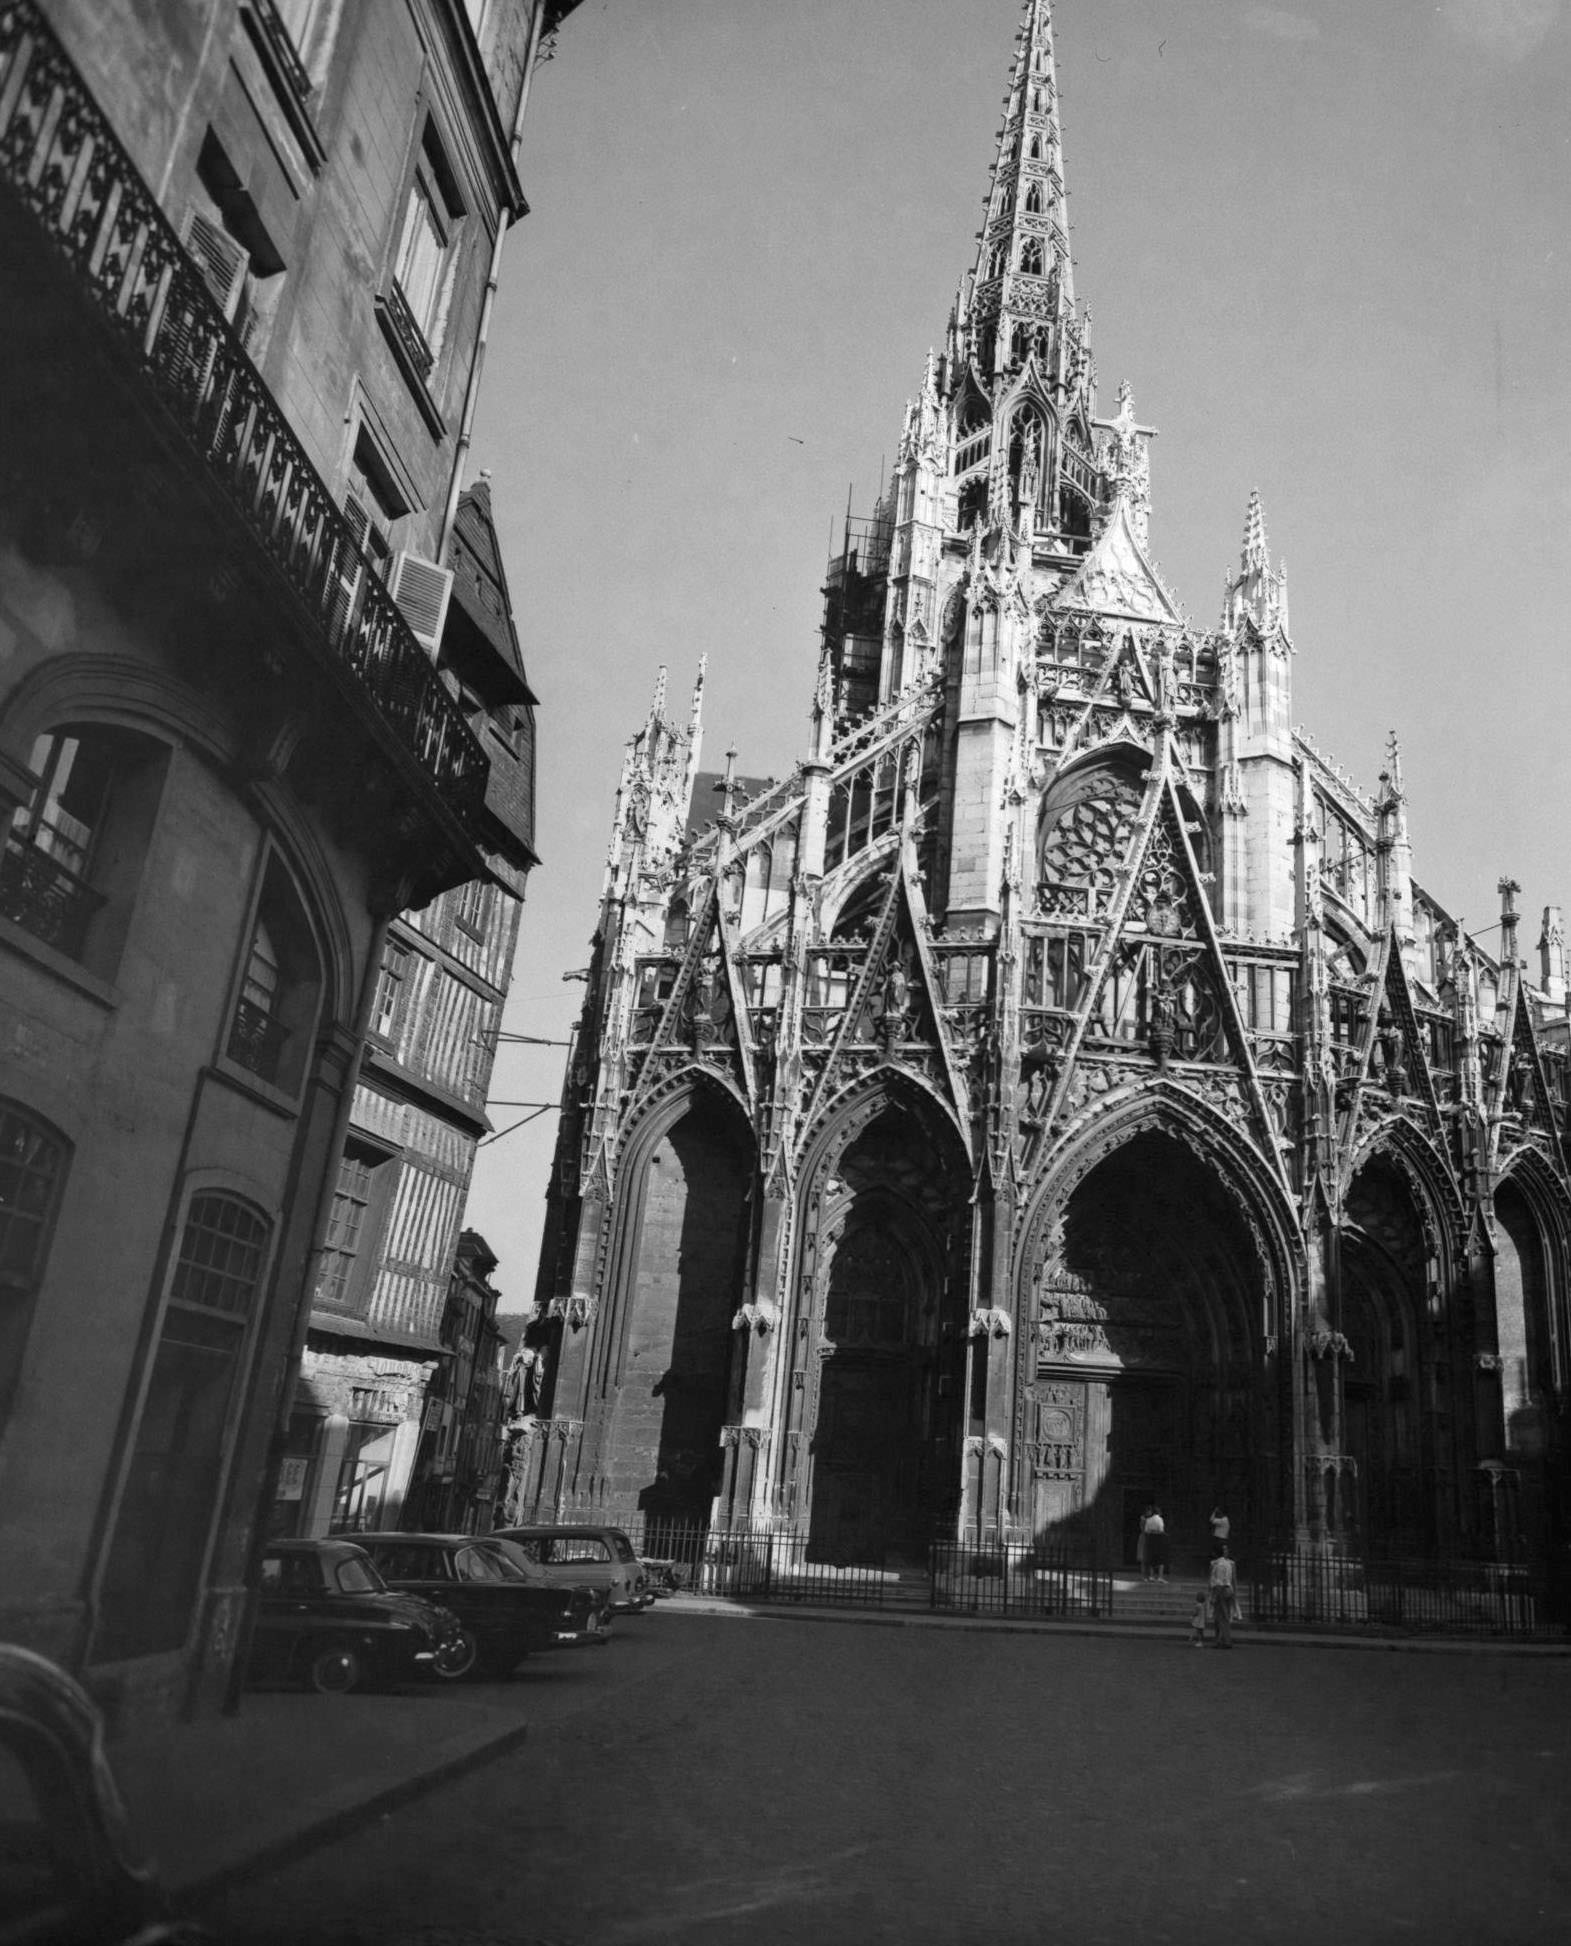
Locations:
(709, 1779)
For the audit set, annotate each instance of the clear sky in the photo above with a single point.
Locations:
(1326, 243)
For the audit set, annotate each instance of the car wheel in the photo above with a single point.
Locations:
(457, 1656)
(333, 1669)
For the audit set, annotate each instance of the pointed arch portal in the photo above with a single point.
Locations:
(885, 1307)
(1384, 1274)
(683, 1260)
(1147, 1299)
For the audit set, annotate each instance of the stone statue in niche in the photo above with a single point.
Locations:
(1038, 1071)
(895, 1002)
(1386, 1057)
(704, 1002)
(1164, 1022)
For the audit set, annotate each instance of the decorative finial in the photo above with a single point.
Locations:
(657, 706)
(1255, 555)
(727, 785)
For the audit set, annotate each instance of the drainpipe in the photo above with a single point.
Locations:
(472, 388)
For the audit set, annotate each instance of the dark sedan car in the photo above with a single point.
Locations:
(326, 1618)
(504, 1615)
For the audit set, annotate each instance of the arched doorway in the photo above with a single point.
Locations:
(686, 1269)
(1386, 1506)
(1519, 1406)
(887, 1303)
(1147, 1296)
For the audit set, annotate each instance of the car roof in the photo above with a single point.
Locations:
(328, 1544)
(433, 1540)
(512, 1533)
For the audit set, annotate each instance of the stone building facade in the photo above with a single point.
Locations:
(458, 1470)
(377, 1345)
(249, 251)
(1060, 1091)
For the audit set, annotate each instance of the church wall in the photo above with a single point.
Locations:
(1191, 923)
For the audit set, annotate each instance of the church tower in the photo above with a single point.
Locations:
(1059, 1092)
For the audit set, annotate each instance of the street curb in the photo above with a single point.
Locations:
(288, 1846)
(1127, 1631)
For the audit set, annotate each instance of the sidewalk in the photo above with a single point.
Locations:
(1141, 1631)
(221, 1799)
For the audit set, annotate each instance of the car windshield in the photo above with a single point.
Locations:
(621, 1546)
(512, 1560)
(479, 1564)
(356, 1576)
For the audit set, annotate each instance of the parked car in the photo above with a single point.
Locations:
(504, 1616)
(69, 1872)
(327, 1618)
(526, 1568)
(603, 1557)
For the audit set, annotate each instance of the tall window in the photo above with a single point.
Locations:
(154, 1572)
(344, 1272)
(280, 986)
(392, 987)
(32, 1170)
(79, 840)
(470, 905)
(371, 503)
(44, 882)
(422, 267)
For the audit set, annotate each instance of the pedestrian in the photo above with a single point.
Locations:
(1156, 1544)
(1142, 1549)
(1221, 1530)
(1197, 1621)
(1224, 1597)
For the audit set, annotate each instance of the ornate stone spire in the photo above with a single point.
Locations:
(1257, 592)
(1022, 289)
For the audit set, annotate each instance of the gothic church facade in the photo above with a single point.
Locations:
(1059, 1091)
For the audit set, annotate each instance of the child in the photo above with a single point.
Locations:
(1197, 1623)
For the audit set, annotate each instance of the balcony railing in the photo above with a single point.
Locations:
(60, 158)
(39, 894)
(257, 1040)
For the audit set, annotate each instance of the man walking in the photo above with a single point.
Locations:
(1223, 1597)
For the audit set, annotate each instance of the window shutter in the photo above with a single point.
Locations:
(350, 565)
(421, 590)
(222, 260)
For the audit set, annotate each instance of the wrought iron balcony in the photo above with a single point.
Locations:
(60, 159)
(257, 1040)
(40, 895)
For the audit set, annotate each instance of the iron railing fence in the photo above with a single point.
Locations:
(1019, 1579)
(759, 1563)
(756, 1563)
(1299, 1588)
(61, 160)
